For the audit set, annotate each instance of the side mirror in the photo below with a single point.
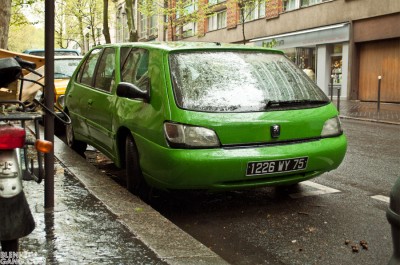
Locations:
(128, 90)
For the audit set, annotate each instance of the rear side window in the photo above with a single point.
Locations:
(135, 68)
(86, 72)
(105, 71)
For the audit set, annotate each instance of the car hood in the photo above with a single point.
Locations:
(255, 127)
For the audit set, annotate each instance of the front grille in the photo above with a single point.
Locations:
(274, 143)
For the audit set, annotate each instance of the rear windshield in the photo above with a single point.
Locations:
(240, 81)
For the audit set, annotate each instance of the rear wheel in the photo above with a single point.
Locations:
(77, 146)
(135, 181)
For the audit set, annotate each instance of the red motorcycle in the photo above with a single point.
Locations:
(21, 156)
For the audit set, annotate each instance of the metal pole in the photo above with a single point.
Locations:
(331, 87)
(49, 102)
(338, 98)
(379, 92)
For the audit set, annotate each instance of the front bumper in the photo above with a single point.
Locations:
(223, 168)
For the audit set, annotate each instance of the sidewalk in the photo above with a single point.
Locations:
(368, 111)
(96, 221)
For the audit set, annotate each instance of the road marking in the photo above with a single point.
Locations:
(381, 198)
(321, 190)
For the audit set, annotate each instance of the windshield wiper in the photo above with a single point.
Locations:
(61, 74)
(290, 103)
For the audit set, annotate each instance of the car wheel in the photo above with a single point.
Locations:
(77, 146)
(135, 181)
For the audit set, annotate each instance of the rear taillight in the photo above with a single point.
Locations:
(12, 137)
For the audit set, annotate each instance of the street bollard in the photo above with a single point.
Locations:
(393, 216)
(331, 88)
(379, 92)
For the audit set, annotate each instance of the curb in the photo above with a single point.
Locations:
(170, 243)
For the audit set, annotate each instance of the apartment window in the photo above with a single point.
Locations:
(153, 25)
(254, 12)
(311, 2)
(142, 26)
(214, 2)
(217, 21)
(188, 8)
(291, 4)
(189, 30)
(295, 4)
(122, 30)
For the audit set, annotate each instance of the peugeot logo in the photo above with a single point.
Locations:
(275, 131)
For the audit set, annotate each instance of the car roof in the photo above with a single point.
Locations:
(185, 45)
(61, 57)
(56, 50)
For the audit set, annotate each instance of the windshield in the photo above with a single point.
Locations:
(240, 81)
(64, 68)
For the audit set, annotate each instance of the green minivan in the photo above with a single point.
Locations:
(192, 115)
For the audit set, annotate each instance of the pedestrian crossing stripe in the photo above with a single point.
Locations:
(320, 190)
(381, 198)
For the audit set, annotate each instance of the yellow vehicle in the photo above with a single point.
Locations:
(64, 67)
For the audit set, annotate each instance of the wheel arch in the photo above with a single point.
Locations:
(122, 133)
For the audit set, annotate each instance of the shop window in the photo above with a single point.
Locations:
(304, 58)
(217, 21)
(336, 65)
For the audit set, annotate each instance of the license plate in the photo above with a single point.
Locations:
(276, 166)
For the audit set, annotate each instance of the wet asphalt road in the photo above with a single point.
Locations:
(306, 224)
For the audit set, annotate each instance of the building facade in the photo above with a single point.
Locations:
(345, 44)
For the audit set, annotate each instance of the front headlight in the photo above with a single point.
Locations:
(332, 127)
(61, 101)
(186, 136)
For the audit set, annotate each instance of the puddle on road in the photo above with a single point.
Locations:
(80, 230)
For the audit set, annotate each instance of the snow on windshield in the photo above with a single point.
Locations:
(234, 81)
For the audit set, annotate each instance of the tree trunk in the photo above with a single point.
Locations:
(106, 29)
(243, 21)
(5, 15)
(133, 36)
(82, 35)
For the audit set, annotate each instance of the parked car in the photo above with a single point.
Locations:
(57, 52)
(64, 67)
(203, 116)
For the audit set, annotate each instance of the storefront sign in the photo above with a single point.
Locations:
(305, 38)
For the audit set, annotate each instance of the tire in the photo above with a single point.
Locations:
(135, 181)
(9, 246)
(77, 146)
